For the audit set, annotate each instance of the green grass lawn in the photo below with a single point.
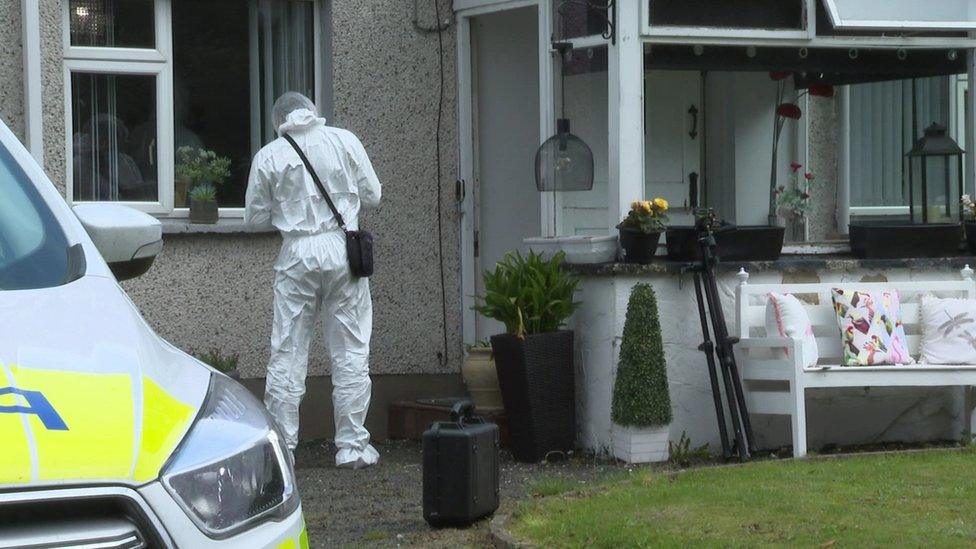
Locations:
(910, 499)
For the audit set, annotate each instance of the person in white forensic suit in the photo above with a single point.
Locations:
(312, 278)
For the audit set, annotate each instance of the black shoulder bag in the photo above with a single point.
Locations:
(359, 244)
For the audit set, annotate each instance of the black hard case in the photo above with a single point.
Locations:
(460, 469)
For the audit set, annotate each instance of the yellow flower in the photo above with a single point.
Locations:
(646, 206)
(661, 204)
(636, 205)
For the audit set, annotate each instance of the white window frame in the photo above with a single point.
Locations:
(751, 34)
(156, 62)
(891, 24)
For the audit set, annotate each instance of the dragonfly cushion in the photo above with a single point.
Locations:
(948, 330)
(871, 327)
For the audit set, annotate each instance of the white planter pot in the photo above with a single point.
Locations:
(640, 444)
(589, 249)
(546, 246)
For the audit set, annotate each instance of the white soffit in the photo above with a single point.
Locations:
(902, 14)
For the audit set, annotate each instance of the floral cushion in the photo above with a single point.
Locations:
(948, 331)
(871, 327)
(786, 317)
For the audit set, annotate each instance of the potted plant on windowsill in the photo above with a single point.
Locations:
(533, 298)
(641, 407)
(200, 172)
(641, 230)
(203, 204)
(969, 216)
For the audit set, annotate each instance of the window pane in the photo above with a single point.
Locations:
(751, 14)
(880, 14)
(113, 124)
(574, 19)
(33, 248)
(585, 103)
(263, 48)
(882, 132)
(112, 23)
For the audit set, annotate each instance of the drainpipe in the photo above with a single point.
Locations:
(33, 112)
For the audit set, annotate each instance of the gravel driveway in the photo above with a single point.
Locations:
(382, 505)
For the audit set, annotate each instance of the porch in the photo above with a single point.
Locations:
(676, 100)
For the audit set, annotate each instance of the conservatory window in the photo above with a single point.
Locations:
(882, 132)
(141, 85)
(585, 103)
(902, 14)
(752, 14)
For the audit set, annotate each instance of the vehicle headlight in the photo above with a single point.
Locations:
(233, 469)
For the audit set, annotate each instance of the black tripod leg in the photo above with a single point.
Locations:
(715, 307)
(733, 367)
(708, 347)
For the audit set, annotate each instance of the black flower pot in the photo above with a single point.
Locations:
(971, 236)
(886, 240)
(536, 378)
(638, 247)
(732, 243)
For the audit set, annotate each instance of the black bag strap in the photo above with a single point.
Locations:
(318, 182)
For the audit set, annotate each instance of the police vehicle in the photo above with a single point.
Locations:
(109, 435)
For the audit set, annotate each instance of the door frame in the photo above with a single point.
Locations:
(467, 140)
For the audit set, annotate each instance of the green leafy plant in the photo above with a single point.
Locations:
(683, 454)
(646, 216)
(220, 362)
(640, 392)
(198, 166)
(204, 192)
(528, 294)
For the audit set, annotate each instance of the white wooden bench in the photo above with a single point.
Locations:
(760, 357)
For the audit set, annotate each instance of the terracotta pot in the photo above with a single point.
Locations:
(203, 211)
(180, 188)
(478, 372)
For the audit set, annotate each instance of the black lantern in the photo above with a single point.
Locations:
(935, 159)
(564, 162)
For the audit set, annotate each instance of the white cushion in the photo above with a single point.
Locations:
(948, 331)
(786, 317)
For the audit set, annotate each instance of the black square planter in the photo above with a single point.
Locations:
(889, 240)
(536, 377)
(745, 243)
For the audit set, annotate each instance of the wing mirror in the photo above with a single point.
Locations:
(129, 240)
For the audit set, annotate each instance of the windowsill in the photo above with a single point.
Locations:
(225, 225)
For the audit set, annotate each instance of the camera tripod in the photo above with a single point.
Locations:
(719, 354)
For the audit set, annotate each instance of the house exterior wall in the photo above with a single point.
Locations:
(823, 144)
(215, 290)
(11, 68)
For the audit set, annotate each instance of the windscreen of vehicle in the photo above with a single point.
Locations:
(33, 249)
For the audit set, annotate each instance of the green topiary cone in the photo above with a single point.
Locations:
(640, 393)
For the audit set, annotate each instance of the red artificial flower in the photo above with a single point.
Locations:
(795, 166)
(780, 75)
(808, 176)
(789, 110)
(822, 90)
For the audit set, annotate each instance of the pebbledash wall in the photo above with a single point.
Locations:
(212, 290)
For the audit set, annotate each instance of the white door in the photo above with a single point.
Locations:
(673, 121)
(505, 112)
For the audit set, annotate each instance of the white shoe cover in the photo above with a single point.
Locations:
(352, 458)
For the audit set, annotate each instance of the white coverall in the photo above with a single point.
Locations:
(312, 278)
